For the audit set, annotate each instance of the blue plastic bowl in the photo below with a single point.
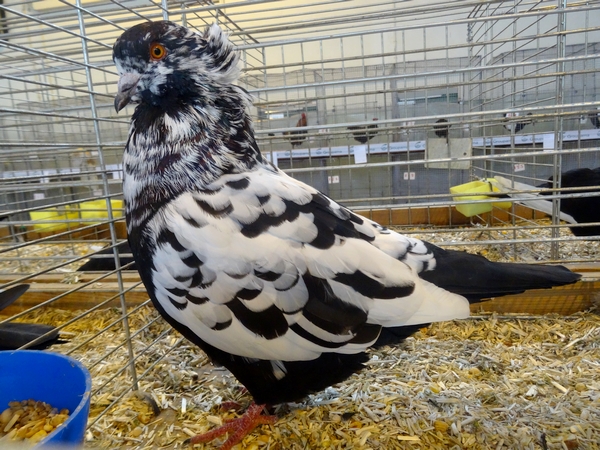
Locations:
(49, 377)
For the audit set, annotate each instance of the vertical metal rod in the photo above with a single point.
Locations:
(345, 110)
(390, 189)
(183, 15)
(467, 92)
(364, 74)
(383, 72)
(265, 94)
(584, 93)
(426, 85)
(405, 113)
(558, 120)
(365, 107)
(322, 103)
(287, 103)
(305, 89)
(513, 104)
(537, 91)
(448, 142)
(165, 9)
(111, 224)
(343, 75)
(486, 58)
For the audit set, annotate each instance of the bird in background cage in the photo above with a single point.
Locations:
(271, 278)
(405, 127)
(576, 210)
(296, 137)
(514, 126)
(14, 335)
(10, 295)
(594, 117)
(442, 128)
(364, 133)
(85, 160)
(104, 261)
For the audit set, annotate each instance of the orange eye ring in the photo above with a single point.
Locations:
(157, 51)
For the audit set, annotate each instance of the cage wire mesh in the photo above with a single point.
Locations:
(401, 100)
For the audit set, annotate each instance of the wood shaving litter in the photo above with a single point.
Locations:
(37, 257)
(488, 383)
(475, 384)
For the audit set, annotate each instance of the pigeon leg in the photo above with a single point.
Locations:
(237, 428)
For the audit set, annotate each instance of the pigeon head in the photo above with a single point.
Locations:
(190, 124)
(162, 64)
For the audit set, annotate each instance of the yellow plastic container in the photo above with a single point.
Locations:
(47, 218)
(472, 209)
(95, 211)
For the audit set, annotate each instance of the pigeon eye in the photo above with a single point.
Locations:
(157, 52)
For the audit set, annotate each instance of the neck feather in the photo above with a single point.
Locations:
(173, 150)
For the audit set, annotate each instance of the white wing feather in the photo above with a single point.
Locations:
(231, 262)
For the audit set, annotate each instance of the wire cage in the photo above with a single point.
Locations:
(384, 106)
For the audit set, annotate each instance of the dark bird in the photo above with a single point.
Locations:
(595, 118)
(10, 295)
(574, 210)
(582, 209)
(298, 136)
(516, 125)
(364, 134)
(14, 335)
(272, 279)
(442, 129)
(104, 260)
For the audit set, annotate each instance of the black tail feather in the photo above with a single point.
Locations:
(395, 335)
(9, 296)
(103, 261)
(477, 278)
(17, 334)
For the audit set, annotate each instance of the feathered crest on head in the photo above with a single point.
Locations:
(223, 62)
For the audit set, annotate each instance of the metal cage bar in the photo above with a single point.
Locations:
(517, 82)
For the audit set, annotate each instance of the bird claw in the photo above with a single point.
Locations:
(229, 405)
(237, 428)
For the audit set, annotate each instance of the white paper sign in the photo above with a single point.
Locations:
(360, 154)
(549, 141)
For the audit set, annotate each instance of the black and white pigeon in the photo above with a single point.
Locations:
(442, 128)
(581, 211)
(595, 117)
(278, 283)
(513, 124)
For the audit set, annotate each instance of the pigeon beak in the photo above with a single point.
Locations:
(126, 88)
